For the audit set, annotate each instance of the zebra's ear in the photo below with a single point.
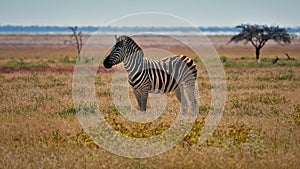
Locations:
(117, 38)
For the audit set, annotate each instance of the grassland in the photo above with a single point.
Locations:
(260, 127)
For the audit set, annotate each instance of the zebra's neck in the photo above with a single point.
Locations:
(133, 63)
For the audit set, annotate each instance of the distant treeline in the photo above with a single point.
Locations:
(91, 29)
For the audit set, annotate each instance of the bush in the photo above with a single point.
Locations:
(223, 59)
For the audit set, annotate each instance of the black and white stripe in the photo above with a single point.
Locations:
(176, 73)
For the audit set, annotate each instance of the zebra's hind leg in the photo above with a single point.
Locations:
(180, 96)
(190, 89)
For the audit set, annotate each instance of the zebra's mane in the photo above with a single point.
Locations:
(130, 42)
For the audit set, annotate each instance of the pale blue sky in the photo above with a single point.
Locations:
(198, 12)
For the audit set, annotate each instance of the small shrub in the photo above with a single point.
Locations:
(67, 60)
(223, 59)
(50, 61)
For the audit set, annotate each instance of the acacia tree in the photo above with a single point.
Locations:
(76, 40)
(259, 35)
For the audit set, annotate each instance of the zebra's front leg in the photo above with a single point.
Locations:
(138, 97)
(141, 97)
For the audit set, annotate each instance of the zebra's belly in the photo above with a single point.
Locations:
(159, 91)
(164, 83)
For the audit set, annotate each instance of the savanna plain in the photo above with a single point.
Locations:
(39, 128)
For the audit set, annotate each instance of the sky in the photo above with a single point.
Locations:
(198, 12)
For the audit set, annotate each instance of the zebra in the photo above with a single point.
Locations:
(175, 73)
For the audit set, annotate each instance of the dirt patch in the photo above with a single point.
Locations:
(48, 70)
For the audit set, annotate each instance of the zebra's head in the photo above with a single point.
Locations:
(117, 53)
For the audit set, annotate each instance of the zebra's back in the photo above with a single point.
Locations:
(166, 74)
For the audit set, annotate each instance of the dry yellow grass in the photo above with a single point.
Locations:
(38, 128)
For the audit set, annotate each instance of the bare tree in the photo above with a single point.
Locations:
(259, 35)
(76, 40)
(288, 57)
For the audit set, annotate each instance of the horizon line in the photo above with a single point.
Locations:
(35, 25)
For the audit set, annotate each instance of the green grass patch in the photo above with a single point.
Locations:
(236, 135)
(58, 139)
(24, 65)
(197, 60)
(247, 62)
(81, 108)
(67, 112)
(277, 76)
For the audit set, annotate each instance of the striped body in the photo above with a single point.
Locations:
(176, 73)
(163, 76)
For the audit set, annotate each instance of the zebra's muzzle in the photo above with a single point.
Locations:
(106, 64)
